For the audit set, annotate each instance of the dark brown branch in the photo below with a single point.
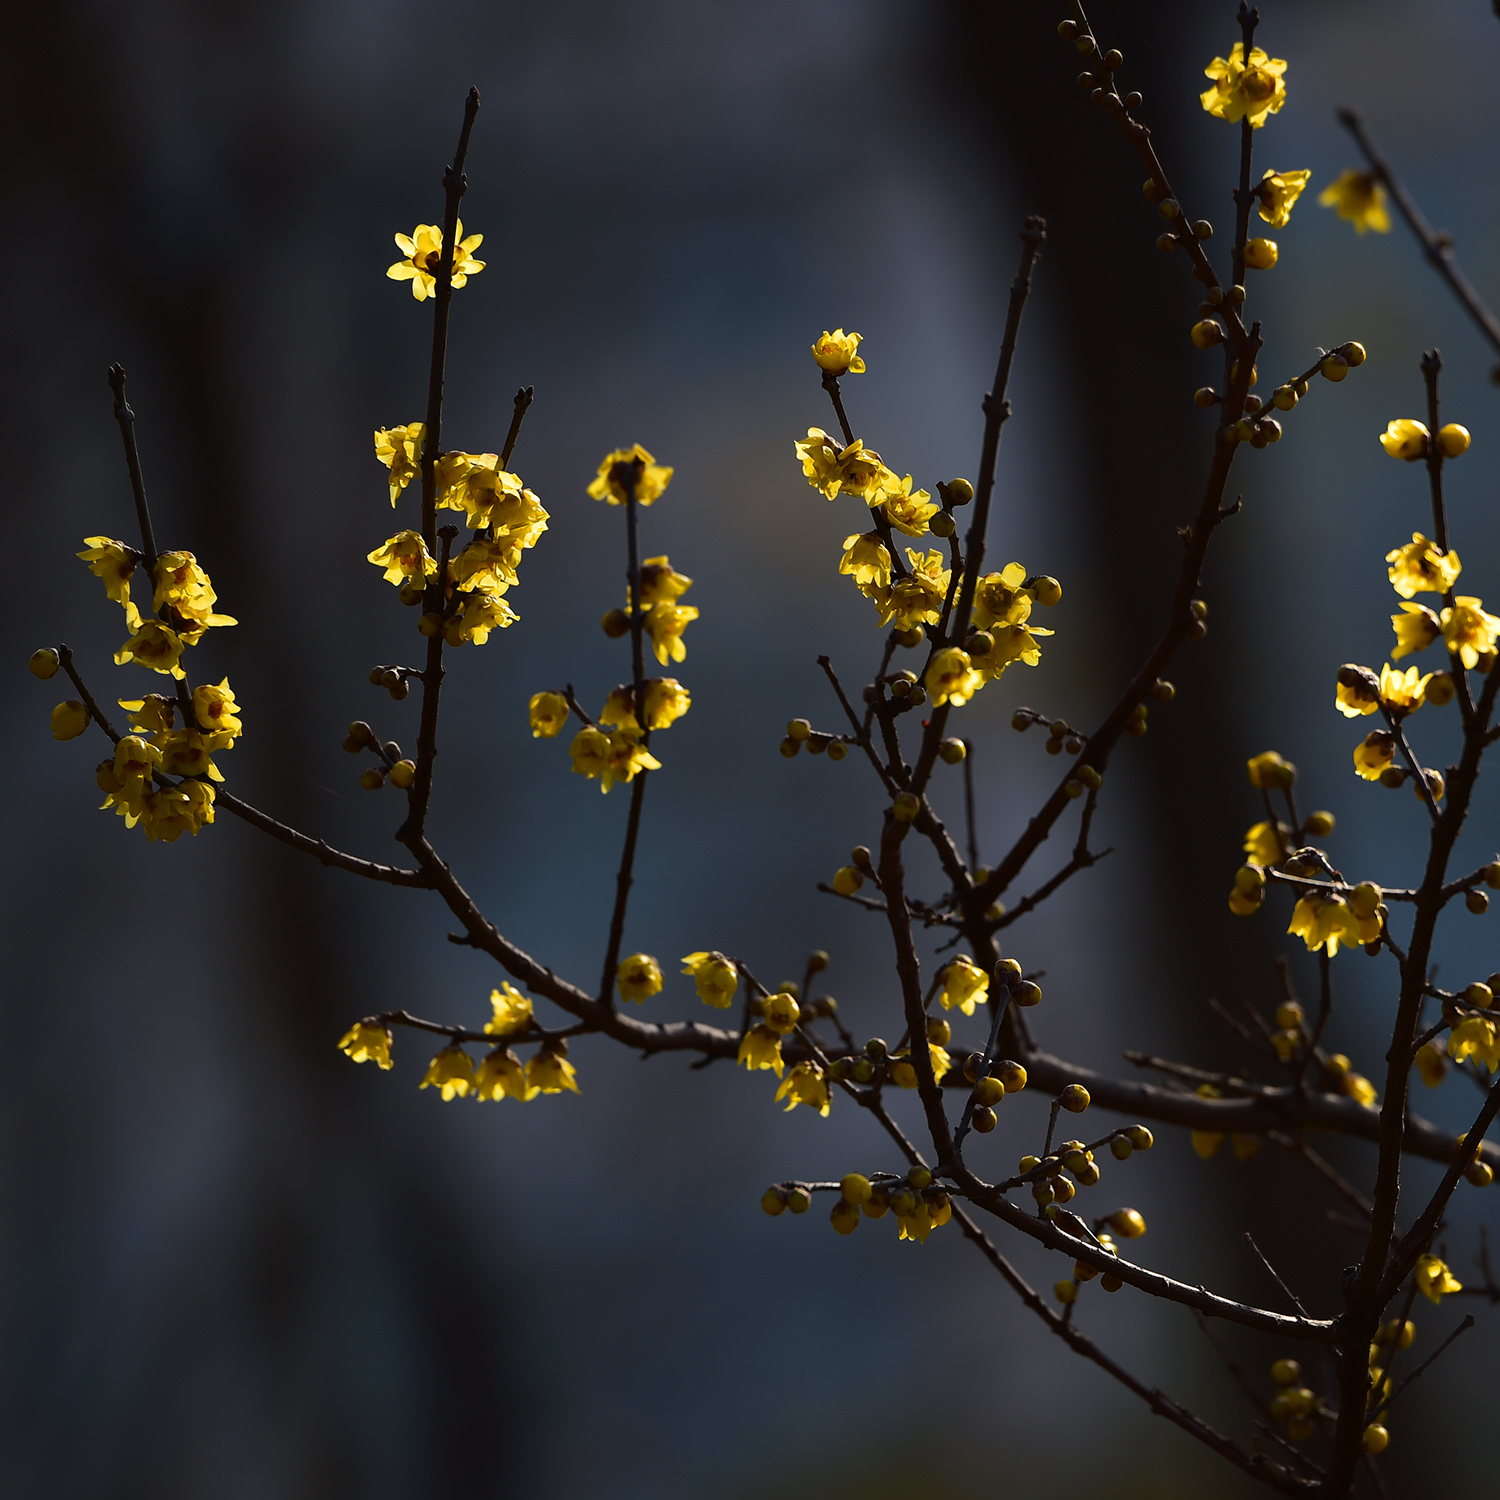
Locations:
(65, 656)
(624, 878)
(1421, 1369)
(524, 398)
(126, 418)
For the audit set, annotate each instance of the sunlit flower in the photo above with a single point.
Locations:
(660, 583)
(512, 1011)
(760, 1047)
(917, 598)
(484, 564)
(481, 613)
(1245, 91)
(400, 450)
(651, 478)
(951, 678)
(185, 587)
(906, 510)
(1419, 568)
(1356, 691)
(964, 984)
(836, 353)
(1265, 843)
(1374, 753)
(1416, 629)
(216, 710)
(113, 563)
(175, 810)
(550, 1071)
(1434, 1279)
(1326, 921)
(1468, 631)
(638, 977)
(805, 1084)
(867, 560)
(367, 1042)
(666, 702)
(714, 977)
(501, 1076)
(1360, 198)
(1405, 438)
(154, 645)
(853, 470)
(1402, 693)
(664, 623)
(404, 556)
(611, 757)
(1268, 770)
(422, 250)
(1476, 1037)
(186, 752)
(548, 713)
(451, 1071)
(1278, 191)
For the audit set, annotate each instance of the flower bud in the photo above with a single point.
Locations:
(1066, 1292)
(837, 750)
(1479, 1173)
(952, 751)
(1127, 1223)
(430, 625)
(1206, 333)
(1453, 440)
(798, 729)
(1011, 1074)
(876, 1204)
(1027, 992)
(799, 1200)
(1205, 396)
(403, 774)
(939, 1032)
(1365, 898)
(790, 747)
(942, 524)
(847, 880)
(1440, 689)
(773, 1201)
(984, 1119)
(844, 1217)
(989, 1091)
(1260, 254)
(1141, 1137)
(1320, 824)
(1120, 1147)
(1075, 1098)
(1334, 368)
(1376, 1438)
(906, 807)
(615, 624)
(372, 778)
(44, 663)
(960, 491)
(69, 720)
(855, 1188)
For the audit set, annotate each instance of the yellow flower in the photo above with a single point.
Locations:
(423, 258)
(404, 556)
(906, 511)
(1278, 191)
(805, 1084)
(651, 478)
(551, 1072)
(664, 623)
(1326, 921)
(638, 977)
(1405, 438)
(660, 584)
(855, 470)
(1431, 1064)
(666, 702)
(714, 977)
(1419, 568)
(1416, 629)
(1433, 1279)
(965, 985)
(1476, 1037)
(114, 563)
(760, 1047)
(185, 752)
(836, 353)
(216, 710)
(781, 1012)
(867, 560)
(153, 713)
(481, 613)
(515, 515)
(916, 599)
(999, 598)
(1468, 631)
(1268, 770)
(501, 1076)
(1360, 1089)
(183, 585)
(484, 564)
(451, 1071)
(951, 678)
(1402, 692)
(1356, 691)
(154, 645)
(1244, 91)
(400, 450)
(366, 1042)
(916, 1225)
(512, 1011)
(176, 810)
(1360, 198)
(1265, 843)
(942, 1063)
(549, 713)
(1374, 753)
(611, 757)
(1206, 1142)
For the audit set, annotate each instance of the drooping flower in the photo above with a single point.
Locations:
(422, 252)
(404, 556)
(1434, 1279)
(186, 752)
(114, 564)
(1266, 843)
(760, 1047)
(853, 470)
(1356, 691)
(512, 1011)
(666, 702)
(714, 977)
(548, 713)
(1476, 1037)
(400, 450)
(1278, 192)
(638, 977)
(917, 598)
(837, 353)
(1419, 568)
(964, 984)
(611, 757)
(1416, 629)
(481, 613)
(664, 623)
(867, 560)
(1325, 921)
(660, 583)
(484, 564)
(1360, 198)
(951, 678)
(805, 1084)
(550, 1071)
(1374, 753)
(175, 810)
(1468, 631)
(651, 478)
(367, 1042)
(1245, 90)
(183, 585)
(451, 1072)
(501, 1076)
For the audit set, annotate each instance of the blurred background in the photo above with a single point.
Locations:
(235, 1264)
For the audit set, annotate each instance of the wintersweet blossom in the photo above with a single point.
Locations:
(1245, 90)
(1420, 568)
(367, 1042)
(548, 714)
(837, 352)
(501, 1076)
(404, 556)
(512, 1011)
(400, 450)
(1405, 438)
(1278, 192)
(1416, 627)
(422, 258)
(714, 977)
(805, 1084)
(1468, 631)
(1434, 1279)
(651, 478)
(638, 978)
(451, 1072)
(1360, 198)
(964, 984)
(867, 560)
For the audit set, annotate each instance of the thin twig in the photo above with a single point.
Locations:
(1291, 1296)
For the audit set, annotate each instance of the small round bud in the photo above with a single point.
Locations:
(1477, 902)
(1268, 430)
(430, 625)
(1075, 1099)
(1244, 430)
(773, 1201)
(1203, 230)
(1166, 243)
(372, 779)
(799, 1200)
(1120, 1147)
(1011, 1074)
(1289, 1015)
(1027, 993)
(790, 747)
(798, 729)
(1205, 396)
(989, 1091)
(1084, 44)
(1067, 30)
(980, 643)
(1066, 1292)
(939, 1032)
(1393, 777)
(1163, 692)
(971, 1067)
(1453, 440)
(410, 592)
(876, 1205)
(1284, 398)
(906, 807)
(1168, 208)
(960, 491)
(1113, 59)
(984, 1119)
(1073, 788)
(1044, 1192)
(1440, 689)
(1206, 333)
(817, 961)
(1046, 590)
(1090, 777)
(69, 719)
(1479, 1173)
(919, 1178)
(1376, 1438)
(908, 638)
(876, 1049)
(1140, 1137)
(837, 750)
(44, 663)
(615, 624)
(1260, 254)
(1334, 368)
(942, 524)
(352, 745)
(818, 743)
(1072, 744)
(1234, 373)
(900, 687)
(1365, 898)
(844, 1217)
(1492, 876)
(1212, 297)
(1355, 354)
(855, 1189)
(1153, 190)
(362, 732)
(847, 880)
(862, 1070)
(1127, 1223)
(952, 751)
(1286, 1372)
(1320, 824)
(403, 774)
